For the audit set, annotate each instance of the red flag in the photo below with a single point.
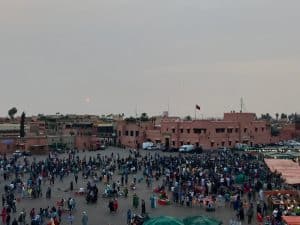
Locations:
(198, 107)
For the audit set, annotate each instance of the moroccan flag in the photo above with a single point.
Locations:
(198, 107)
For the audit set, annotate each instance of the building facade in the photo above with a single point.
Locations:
(173, 132)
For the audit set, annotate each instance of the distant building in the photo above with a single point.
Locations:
(173, 132)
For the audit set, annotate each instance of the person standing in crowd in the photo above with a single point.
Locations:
(143, 207)
(14, 222)
(116, 205)
(128, 217)
(7, 219)
(153, 201)
(3, 215)
(70, 219)
(135, 201)
(84, 219)
(250, 213)
(111, 206)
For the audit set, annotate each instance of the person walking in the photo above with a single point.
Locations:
(128, 217)
(111, 206)
(70, 219)
(116, 205)
(153, 201)
(14, 222)
(84, 219)
(135, 201)
(250, 213)
(143, 207)
(7, 219)
(3, 215)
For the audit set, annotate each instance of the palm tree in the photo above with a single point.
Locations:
(144, 117)
(283, 116)
(12, 112)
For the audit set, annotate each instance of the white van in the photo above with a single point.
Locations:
(148, 145)
(187, 148)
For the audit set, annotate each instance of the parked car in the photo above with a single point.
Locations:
(102, 147)
(153, 147)
(17, 153)
(186, 148)
(147, 145)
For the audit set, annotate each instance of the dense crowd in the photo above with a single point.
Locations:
(209, 179)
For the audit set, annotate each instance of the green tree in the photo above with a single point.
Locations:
(277, 116)
(266, 116)
(130, 119)
(188, 118)
(275, 131)
(283, 116)
(144, 117)
(12, 112)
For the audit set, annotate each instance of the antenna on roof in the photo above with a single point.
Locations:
(242, 104)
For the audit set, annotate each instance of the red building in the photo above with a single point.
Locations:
(173, 132)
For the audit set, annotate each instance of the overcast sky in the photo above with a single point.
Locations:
(119, 56)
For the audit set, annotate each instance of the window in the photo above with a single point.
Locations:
(220, 130)
(126, 133)
(229, 130)
(236, 130)
(223, 143)
(188, 143)
(197, 144)
(256, 129)
(245, 130)
(181, 143)
(188, 131)
(167, 129)
(212, 144)
(198, 130)
(229, 143)
(262, 129)
(137, 133)
(173, 143)
(173, 131)
(181, 130)
(131, 133)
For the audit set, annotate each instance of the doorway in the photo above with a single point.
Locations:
(167, 143)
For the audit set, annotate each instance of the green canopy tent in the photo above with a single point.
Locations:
(201, 220)
(164, 220)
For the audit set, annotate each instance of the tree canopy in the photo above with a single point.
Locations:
(12, 112)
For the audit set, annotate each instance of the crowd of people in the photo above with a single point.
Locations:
(209, 180)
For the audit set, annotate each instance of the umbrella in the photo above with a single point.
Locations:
(201, 220)
(164, 220)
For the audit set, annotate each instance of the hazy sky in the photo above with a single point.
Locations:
(116, 56)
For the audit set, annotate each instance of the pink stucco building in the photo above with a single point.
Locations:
(173, 132)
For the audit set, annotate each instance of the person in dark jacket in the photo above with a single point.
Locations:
(8, 219)
(250, 213)
(143, 207)
(15, 222)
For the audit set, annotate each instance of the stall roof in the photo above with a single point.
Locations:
(288, 169)
(291, 220)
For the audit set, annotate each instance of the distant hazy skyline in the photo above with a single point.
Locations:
(119, 56)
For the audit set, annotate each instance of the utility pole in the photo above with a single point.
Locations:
(242, 104)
